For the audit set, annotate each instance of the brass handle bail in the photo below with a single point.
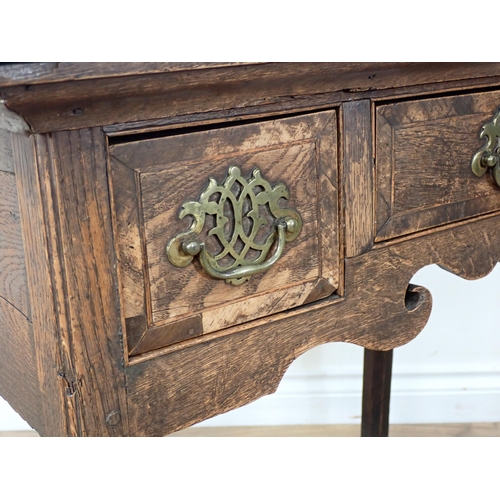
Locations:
(489, 155)
(252, 194)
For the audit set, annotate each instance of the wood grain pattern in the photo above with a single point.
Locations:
(142, 339)
(57, 410)
(13, 282)
(226, 371)
(299, 151)
(67, 228)
(152, 155)
(85, 103)
(18, 368)
(424, 151)
(301, 103)
(89, 271)
(130, 245)
(329, 230)
(358, 177)
(299, 262)
(110, 342)
(37, 73)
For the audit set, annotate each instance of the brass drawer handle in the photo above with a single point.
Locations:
(232, 202)
(489, 155)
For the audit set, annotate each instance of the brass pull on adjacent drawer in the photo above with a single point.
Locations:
(238, 204)
(489, 155)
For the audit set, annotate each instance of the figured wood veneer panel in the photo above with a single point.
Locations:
(423, 163)
(166, 172)
(177, 291)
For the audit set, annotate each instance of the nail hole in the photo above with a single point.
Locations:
(78, 111)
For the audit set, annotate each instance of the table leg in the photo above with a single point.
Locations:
(376, 393)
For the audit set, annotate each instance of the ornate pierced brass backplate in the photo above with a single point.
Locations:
(489, 155)
(232, 202)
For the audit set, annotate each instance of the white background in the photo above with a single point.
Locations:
(449, 373)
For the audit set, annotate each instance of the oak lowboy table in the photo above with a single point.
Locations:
(174, 235)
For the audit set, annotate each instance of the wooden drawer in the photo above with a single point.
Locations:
(424, 150)
(154, 179)
(102, 335)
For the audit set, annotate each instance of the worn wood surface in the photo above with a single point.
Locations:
(89, 286)
(358, 177)
(130, 242)
(424, 152)
(377, 373)
(16, 74)
(46, 72)
(83, 222)
(226, 370)
(67, 229)
(304, 103)
(85, 103)
(38, 221)
(18, 368)
(13, 282)
(166, 172)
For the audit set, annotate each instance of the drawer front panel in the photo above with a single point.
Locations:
(154, 180)
(423, 163)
